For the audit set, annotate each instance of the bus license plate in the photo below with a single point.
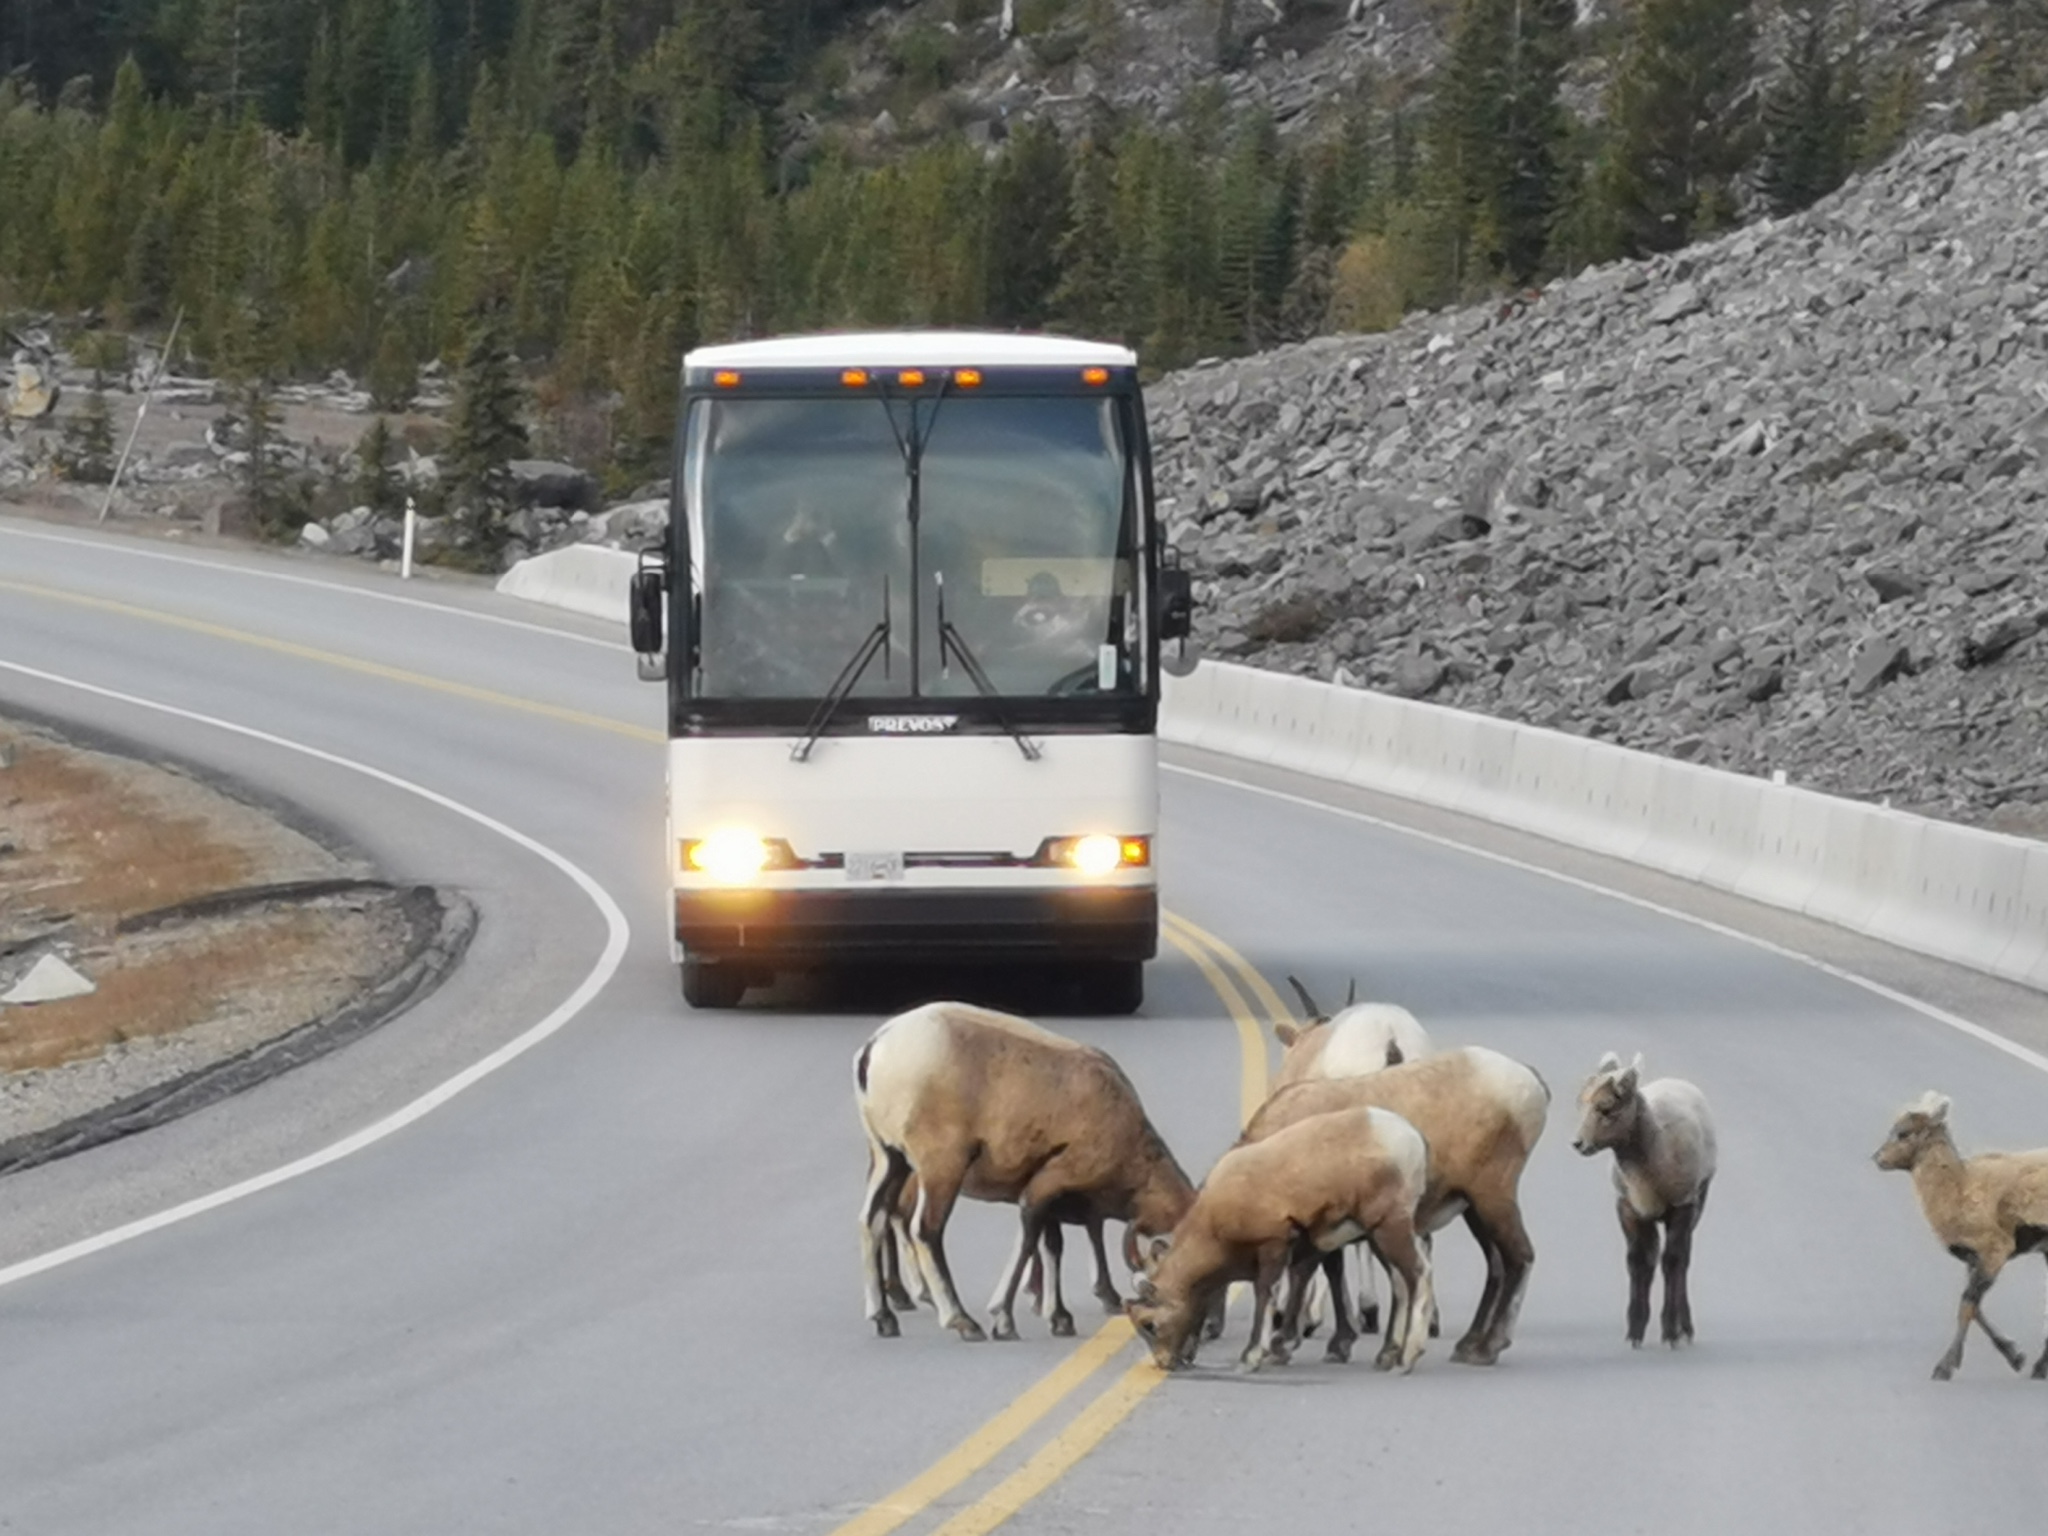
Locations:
(874, 866)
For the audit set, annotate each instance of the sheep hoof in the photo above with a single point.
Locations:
(886, 1326)
(1063, 1325)
(1111, 1302)
(1386, 1359)
(1475, 1352)
(1338, 1352)
(1004, 1330)
(968, 1329)
(1943, 1371)
(2040, 1371)
(899, 1298)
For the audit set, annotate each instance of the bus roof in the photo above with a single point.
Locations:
(910, 349)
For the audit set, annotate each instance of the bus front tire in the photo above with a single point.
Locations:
(710, 984)
(1117, 986)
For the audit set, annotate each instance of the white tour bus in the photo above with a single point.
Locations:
(909, 612)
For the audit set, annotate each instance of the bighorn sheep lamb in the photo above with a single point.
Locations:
(1481, 1114)
(1359, 1037)
(1663, 1143)
(1274, 1206)
(1984, 1210)
(986, 1105)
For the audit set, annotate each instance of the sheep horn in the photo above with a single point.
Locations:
(1351, 994)
(1307, 1002)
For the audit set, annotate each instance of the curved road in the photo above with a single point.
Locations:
(550, 1253)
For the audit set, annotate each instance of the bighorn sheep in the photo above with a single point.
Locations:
(1275, 1206)
(986, 1105)
(1663, 1143)
(1359, 1037)
(1481, 1114)
(1984, 1210)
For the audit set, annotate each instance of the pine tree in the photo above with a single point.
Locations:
(1681, 130)
(1028, 195)
(1811, 117)
(485, 435)
(377, 485)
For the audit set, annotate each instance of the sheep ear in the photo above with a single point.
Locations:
(1351, 993)
(1934, 1106)
(1286, 1033)
(1394, 1056)
(1608, 1063)
(1629, 1076)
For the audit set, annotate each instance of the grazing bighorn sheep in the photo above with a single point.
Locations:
(1273, 1207)
(1985, 1210)
(1481, 1114)
(1663, 1143)
(1359, 1037)
(982, 1104)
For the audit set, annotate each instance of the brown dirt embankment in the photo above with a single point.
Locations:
(223, 943)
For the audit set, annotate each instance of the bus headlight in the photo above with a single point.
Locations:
(735, 855)
(1097, 853)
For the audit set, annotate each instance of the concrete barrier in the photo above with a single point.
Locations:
(1979, 899)
(583, 578)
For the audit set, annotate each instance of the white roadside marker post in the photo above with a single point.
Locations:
(405, 554)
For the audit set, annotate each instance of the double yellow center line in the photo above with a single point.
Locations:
(1246, 995)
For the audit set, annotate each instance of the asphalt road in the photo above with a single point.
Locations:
(609, 1283)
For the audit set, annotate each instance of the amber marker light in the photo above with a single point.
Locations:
(911, 378)
(967, 378)
(725, 378)
(854, 378)
(1137, 850)
(1094, 375)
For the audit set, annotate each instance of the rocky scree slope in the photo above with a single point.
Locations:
(1776, 502)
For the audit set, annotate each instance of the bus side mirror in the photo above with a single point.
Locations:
(1176, 603)
(645, 598)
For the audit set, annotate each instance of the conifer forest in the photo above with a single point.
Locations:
(585, 188)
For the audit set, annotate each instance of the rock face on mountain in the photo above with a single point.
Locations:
(1778, 502)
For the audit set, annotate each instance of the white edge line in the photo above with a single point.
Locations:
(617, 937)
(116, 545)
(1975, 1031)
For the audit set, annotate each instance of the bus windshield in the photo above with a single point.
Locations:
(801, 546)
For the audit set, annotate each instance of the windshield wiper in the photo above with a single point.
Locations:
(952, 643)
(848, 679)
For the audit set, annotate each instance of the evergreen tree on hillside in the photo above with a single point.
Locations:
(1494, 135)
(1028, 196)
(1811, 117)
(1681, 122)
(485, 435)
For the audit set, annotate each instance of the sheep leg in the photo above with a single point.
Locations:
(892, 1271)
(1031, 1228)
(888, 1170)
(1516, 1256)
(1343, 1335)
(1055, 1251)
(1105, 1287)
(1212, 1325)
(1368, 1299)
(1286, 1332)
(1643, 1242)
(1408, 1281)
(1676, 1323)
(1473, 1347)
(936, 1194)
(1271, 1263)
